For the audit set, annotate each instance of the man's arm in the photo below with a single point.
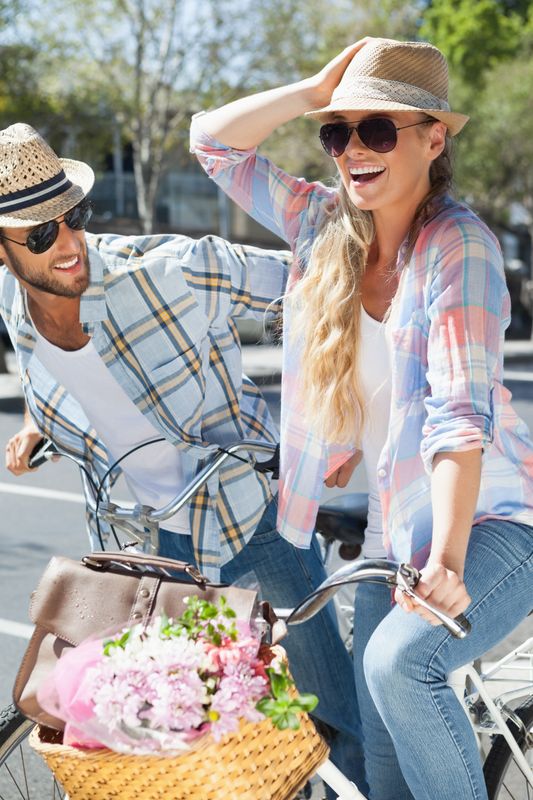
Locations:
(259, 279)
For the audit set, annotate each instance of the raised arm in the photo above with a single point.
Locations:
(247, 122)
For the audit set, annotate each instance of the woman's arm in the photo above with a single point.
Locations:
(247, 122)
(467, 311)
(455, 482)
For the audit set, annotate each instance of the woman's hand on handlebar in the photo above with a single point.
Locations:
(439, 586)
(20, 447)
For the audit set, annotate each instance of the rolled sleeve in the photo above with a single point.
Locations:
(280, 202)
(236, 280)
(468, 312)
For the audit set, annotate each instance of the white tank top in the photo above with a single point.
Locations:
(153, 473)
(375, 377)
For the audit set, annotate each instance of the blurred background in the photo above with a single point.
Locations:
(115, 82)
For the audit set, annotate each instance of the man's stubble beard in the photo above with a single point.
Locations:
(49, 284)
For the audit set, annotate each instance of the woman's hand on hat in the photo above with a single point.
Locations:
(323, 84)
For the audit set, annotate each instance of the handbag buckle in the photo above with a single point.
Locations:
(196, 575)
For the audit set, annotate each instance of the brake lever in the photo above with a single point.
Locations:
(406, 578)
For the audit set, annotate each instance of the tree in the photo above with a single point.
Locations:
(154, 62)
(496, 152)
(475, 36)
(147, 61)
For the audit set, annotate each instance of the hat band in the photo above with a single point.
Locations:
(35, 195)
(392, 92)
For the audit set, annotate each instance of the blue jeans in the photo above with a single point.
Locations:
(407, 661)
(383, 774)
(318, 658)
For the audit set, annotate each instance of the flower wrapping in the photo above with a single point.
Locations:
(165, 687)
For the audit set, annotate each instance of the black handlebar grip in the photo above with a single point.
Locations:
(272, 465)
(462, 620)
(39, 454)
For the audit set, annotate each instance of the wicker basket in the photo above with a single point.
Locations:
(258, 762)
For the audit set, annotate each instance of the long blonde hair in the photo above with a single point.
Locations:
(325, 306)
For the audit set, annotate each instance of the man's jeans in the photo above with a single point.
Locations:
(407, 661)
(318, 658)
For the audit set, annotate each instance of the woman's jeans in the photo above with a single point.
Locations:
(318, 658)
(407, 661)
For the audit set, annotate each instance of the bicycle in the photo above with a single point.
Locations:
(507, 720)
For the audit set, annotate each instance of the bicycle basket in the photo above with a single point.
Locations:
(258, 761)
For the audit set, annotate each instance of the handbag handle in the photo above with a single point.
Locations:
(102, 560)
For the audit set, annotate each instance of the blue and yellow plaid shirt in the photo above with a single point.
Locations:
(161, 312)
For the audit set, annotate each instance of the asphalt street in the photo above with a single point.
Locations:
(42, 514)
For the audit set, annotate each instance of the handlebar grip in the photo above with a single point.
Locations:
(41, 453)
(272, 465)
(461, 620)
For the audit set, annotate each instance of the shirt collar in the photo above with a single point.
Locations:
(92, 305)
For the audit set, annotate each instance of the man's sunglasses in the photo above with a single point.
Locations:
(377, 133)
(41, 238)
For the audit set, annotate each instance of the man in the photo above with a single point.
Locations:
(125, 340)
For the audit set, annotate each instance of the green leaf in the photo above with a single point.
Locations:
(306, 702)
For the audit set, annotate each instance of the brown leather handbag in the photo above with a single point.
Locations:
(78, 599)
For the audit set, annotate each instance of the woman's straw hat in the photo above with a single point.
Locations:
(386, 75)
(35, 185)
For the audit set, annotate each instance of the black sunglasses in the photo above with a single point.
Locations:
(41, 238)
(377, 133)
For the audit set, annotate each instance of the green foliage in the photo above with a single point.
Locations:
(284, 704)
(496, 147)
(475, 36)
(117, 643)
(21, 98)
(202, 618)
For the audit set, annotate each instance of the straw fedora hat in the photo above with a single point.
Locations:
(35, 185)
(387, 75)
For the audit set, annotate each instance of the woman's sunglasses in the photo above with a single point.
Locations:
(377, 133)
(41, 238)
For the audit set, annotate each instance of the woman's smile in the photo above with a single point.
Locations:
(365, 173)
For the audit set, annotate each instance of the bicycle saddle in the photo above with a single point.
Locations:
(344, 518)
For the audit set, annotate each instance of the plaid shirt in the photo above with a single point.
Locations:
(448, 321)
(161, 312)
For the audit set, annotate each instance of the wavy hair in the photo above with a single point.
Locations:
(326, 308)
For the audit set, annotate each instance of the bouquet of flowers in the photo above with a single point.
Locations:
(165, 687)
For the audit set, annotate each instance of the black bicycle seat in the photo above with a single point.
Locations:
(344, 518)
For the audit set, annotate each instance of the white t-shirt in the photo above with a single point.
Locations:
(375, 376)
(153, 473)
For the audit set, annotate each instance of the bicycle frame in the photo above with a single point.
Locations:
(142, 522)
(496, 710)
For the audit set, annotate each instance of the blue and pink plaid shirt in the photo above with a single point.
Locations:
(450, 313)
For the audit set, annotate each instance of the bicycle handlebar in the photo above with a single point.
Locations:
(403, 576)
(45, 449)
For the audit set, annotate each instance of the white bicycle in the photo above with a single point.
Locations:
(503, 721)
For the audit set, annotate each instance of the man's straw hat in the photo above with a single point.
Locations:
(386, 75)
(35, 185)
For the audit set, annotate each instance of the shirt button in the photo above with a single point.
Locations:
(144, 593)
(382, 472)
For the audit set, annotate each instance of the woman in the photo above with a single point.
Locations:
(394, 327)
